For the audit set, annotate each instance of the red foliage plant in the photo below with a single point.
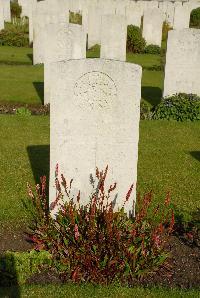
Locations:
(95, 243)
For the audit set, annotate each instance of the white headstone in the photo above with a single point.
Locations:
(182, 69)
(94, 25)
(25, 7)
(94, 122)
(107, 6)
(152, 26)
(63, 42)
(133, 14)
(163, 7)
(152, 4)
(31, 8)
(181, 18)
(170, 13)
(1, 18)
(120, 7)
(7, 12)
(113, 37)
(46, 13)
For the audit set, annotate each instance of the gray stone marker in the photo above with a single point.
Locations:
(182, 69)
(63, 42)
(94, 122)
(152, 26)
(113, 37)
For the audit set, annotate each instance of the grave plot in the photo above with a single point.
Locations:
(94, 122)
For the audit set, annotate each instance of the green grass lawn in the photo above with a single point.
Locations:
(24, 83)
(168, 161)
(152, 86)
(14, 55)
(145, 60)
(79, 291)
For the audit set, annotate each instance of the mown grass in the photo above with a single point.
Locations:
(145, 60)
(24, 83)
(15, 55)
(81, 291)
(152, 86)
(168, 161)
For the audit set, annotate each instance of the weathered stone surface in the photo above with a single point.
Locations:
(163, 7)
(25, 7)
(46, 13)
(95, 122)
(152, 26)
(63, 42)
(133, 14)
(170, 13)
(182, 70)
(181, 17)
(113, 37)
(1, 17)
(94, 25)
(6, 10)
(31, 8)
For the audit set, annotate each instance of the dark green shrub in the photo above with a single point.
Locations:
(94, 243)
(152, 49)
(16, 9)
(180, 107)
(13, 37)
(75, 18)
(135, 42)
(195, 18)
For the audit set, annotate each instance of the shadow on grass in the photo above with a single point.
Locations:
(39, 156)
(152, 95)
(9, 286)
(30, 56)
(195, 154)
(39, 87)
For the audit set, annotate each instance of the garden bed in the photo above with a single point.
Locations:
(182, 270)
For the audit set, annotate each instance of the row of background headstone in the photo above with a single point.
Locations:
(133, 10)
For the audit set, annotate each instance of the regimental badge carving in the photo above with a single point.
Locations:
(95, 90)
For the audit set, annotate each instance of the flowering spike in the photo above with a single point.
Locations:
(56, 170)
(129, 193)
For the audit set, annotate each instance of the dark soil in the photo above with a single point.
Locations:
(36, 109)
(182, 270)
(14, 239)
